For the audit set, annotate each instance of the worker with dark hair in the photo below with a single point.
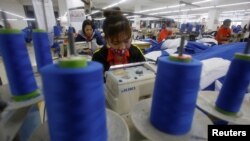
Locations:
(224, 32)
(118, 50)
(88, 33)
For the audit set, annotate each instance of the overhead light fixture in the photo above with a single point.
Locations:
(29, 19)
(233, 11)
(199, 2)
(134, 16)
(161, 8)
(184, 10)
(228, 14)
(232, 4)
(175, 6)
(94, 12)
(106, 7)
(194, 14)
(13, 14)
(11, 19)
(114, 4)
(155, 9)
(201, 8)
(100, 19)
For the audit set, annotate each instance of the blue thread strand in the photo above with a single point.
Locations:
(175, 95)
(42, 49)
(235, 86)
(17, 64)
(75, 102)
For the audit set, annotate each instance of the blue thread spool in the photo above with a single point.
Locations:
(70, 29)
(175, 94)
(74, 96)
(57, 31)
(42, 48)
(235, 85)
(17, 64)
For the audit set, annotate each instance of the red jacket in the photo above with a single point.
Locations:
(164, 33)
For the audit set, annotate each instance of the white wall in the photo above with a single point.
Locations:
(74, 3)
(77, 24)
(62, 5)
(213, 19)
(14, 6)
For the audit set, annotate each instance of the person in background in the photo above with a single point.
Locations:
(1, 26)
(118, 50)
(89, 34)
(224, 32)
(165, 32)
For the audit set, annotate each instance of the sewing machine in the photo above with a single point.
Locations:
(127, 84)
(80, 46)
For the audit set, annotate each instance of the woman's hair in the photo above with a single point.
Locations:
(115, 24)
(85, 23)
(226, 21)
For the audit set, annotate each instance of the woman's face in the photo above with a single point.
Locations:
(121, 42)
(88, 30)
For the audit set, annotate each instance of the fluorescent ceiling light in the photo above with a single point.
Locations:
(11, 19)
(193, 9)
(114, 4)
(175, 6)
(155, 9)
(134, 16)
(235, 15)
(161, 8)
(14, 14)
(148, 19)
(29, 19)
(99, 19)
(97, 11)
(201, 8)
(233, 4)
(233, 11)
(162, 13)
(167, 12)
(106, 7)
(236, 11)
(199, 2)
(194, 14)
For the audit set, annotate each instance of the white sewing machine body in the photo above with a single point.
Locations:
(127, 84)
